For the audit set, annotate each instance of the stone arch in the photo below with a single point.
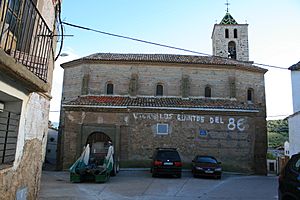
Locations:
(232, 50)
(99, 142)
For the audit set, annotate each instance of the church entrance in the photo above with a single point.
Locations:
(99, 143)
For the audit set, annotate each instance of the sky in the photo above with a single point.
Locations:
(274, 36)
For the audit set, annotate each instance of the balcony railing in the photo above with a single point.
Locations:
(25, 35)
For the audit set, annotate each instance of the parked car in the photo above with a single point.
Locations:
(206, 166)
(289, 180)
(166, 161)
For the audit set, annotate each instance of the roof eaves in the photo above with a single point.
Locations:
(217, 109)
(295, 67)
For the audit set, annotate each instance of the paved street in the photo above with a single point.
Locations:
(139, 185)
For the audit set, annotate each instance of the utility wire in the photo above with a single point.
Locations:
(62, 31)
(158, 44)
(134, 39)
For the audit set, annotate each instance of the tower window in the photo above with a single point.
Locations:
(226, 33)
(232, 50)
(235, 33)
(207, 91)
(109, 88)
(159, 90)
(250, 95)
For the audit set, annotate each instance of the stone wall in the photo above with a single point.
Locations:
(236, 139)
(171, 76)
(25, 94)
(239, 150)
(25, 179)
(220, 43)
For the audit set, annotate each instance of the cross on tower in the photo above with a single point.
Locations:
(227, 4)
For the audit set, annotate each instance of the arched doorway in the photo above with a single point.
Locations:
(99, 143)
(232, 50)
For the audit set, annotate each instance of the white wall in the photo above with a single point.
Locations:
(295, 76)
(294, 133)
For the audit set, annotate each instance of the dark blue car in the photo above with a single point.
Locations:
(289, 180)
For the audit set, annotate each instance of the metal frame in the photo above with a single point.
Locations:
(25, 35)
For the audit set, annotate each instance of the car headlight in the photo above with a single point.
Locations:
(218, 169)
(199, 168)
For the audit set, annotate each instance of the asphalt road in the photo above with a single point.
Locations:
(139, 185)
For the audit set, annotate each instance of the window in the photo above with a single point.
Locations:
(235, 33)
(109, 88)
(159, 90)
(232, 50)
(12, 15)
(10, 112)
(162, 129)
(207, 91)
(226, 33)
(250, 95)
(9, 135)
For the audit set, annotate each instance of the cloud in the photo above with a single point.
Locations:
(57, 82)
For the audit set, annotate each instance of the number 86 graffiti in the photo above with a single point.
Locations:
(239, 124)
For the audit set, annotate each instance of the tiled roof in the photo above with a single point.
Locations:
(157, 102)
(163, 58)
(172, 58)
(295, 67)
(228, 19)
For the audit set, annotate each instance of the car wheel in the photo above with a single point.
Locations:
(154, 175)
(114, 170)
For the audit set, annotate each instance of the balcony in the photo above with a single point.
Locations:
(25, 36)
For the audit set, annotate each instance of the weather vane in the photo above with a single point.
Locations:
(227, 4)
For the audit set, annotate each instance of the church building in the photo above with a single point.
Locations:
(201, 105)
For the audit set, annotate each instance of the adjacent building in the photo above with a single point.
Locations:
(26, 65)
(211, 105)
(294, 119)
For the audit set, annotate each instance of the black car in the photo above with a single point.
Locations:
(206, 166)
(166, 161)
(289, 180)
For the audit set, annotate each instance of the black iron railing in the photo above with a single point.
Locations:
(9, 124)
(25, 35)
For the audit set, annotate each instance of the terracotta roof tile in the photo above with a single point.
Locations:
(164, 58)
(158, 102)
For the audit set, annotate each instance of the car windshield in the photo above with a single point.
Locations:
(206, 160)
(168, 155)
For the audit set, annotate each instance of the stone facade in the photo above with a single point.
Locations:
(229, 31)
(26, 177)
(226, 125)
(25, 96)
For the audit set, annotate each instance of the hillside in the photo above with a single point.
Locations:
(278, 132)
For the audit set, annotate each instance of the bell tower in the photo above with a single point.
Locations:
(230, 39)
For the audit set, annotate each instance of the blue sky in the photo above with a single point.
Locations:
(274, 34)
